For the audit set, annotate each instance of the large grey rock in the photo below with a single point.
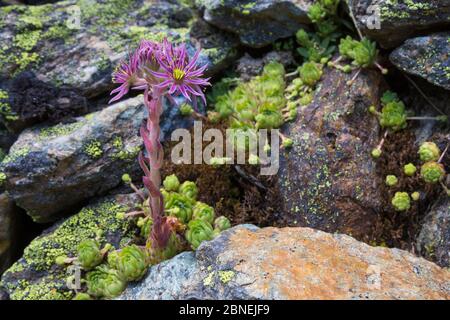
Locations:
(50, 169)
(399, 20)
(433, 241)
(164, 281)
(291, 263)
(36, 276)
(427, 57)
(328, 180)
(9, 231)
(70, 49)
(257, 23)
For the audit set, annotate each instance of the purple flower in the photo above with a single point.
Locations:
(125, 75)
(179, 74)
(161, 66)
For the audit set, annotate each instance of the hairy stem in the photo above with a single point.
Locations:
(151, 164)
(380, 145)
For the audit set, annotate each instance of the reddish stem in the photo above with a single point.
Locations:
(151, 164)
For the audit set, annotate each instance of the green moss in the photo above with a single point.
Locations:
(93, 149)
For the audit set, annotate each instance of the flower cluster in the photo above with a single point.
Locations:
(161, 70)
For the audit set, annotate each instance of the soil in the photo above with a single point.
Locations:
(244, 196)
(237, 192)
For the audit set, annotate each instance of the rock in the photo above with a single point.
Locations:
(433, 241)
(9, 227)
(36, 101)
(426, 57)
(36, 276)
(399, 20)
(6, 138)
(249, 67)
(164, 281)
(50, 169)
(257, 23)
(69, 49)
(328, 180)
(291, 263)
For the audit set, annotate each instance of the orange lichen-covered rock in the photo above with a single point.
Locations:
(246, 262)
(302, 263)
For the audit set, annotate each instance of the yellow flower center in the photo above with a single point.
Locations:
(178, 74)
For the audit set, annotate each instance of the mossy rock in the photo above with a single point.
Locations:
(426, 57)
(327, 180)
(399, 20)
(64, 53)
(36, 276)
(257, 23)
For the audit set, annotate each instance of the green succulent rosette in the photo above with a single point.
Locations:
(89, 254)
(365, 53)
(389, 96)
(203, 212)
(222, 223)
(174, 246)
(393, 116)
(112, 259)
(198, 231)
(131, 262)
(409, 169)
(171, 183)
(179, 205)
(432, 172)
(310, 73)
(189, 189)
(269, 117)
(429, 151)
(401, 201)
(82, 296)
(104, 282)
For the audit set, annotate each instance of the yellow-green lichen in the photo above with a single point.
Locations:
(123, 153)
(5, 108)
(93, 149)
(209, 280)
(42, 290)
(59, 130)
(226, 276)
(15, 155)
(96, 221)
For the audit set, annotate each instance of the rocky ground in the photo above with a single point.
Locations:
(323, 228)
